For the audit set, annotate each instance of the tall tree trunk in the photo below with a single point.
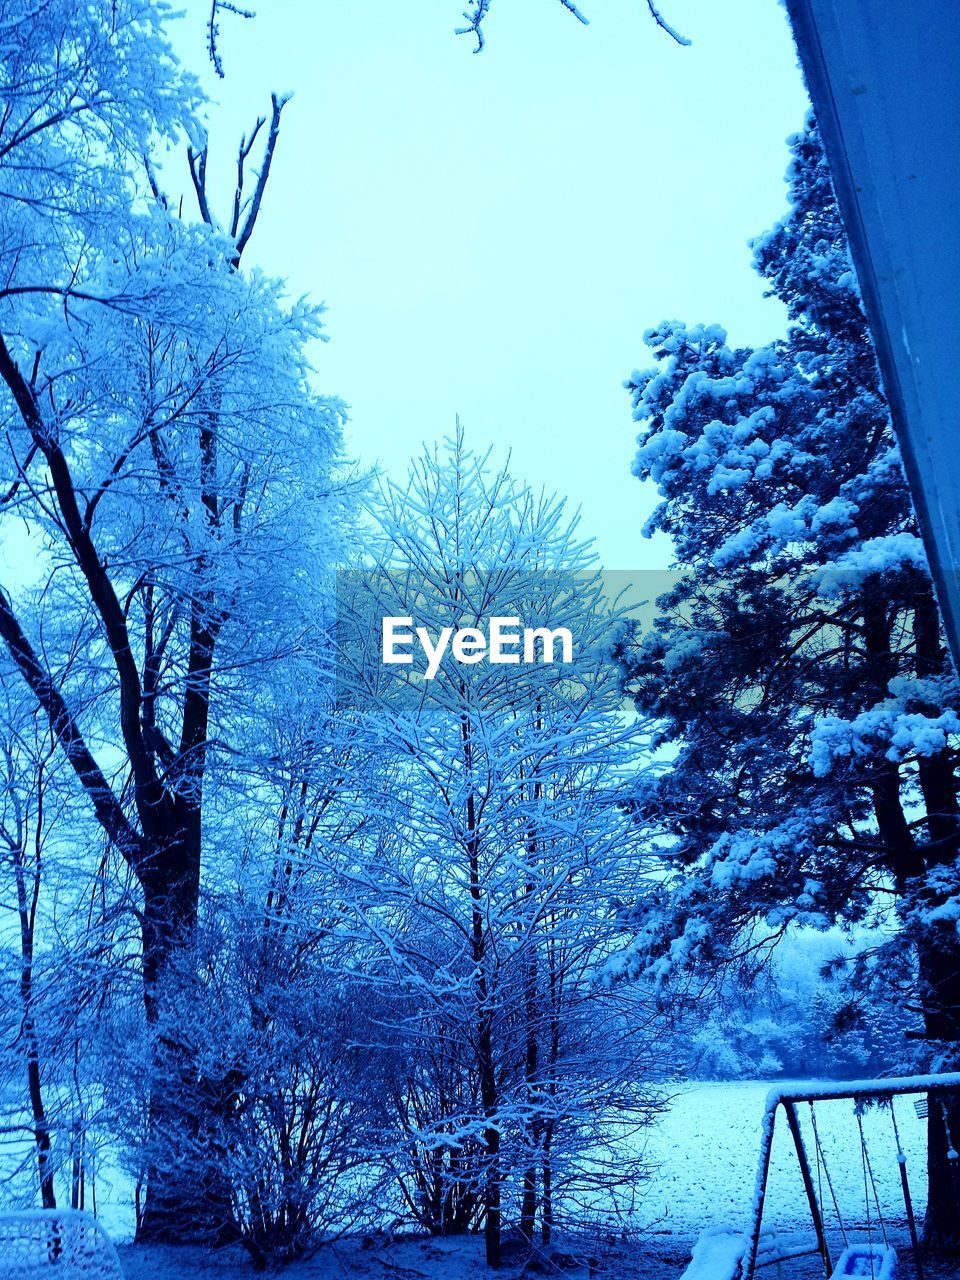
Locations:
(546, 1213)
(940, 976)
(528, 1203)
(27, 908)
(486, 1067)
(187, 1195)
(170, 1210)
(488, 1097)
(939, 953)
(938, 959)
(533, 1016)
(554, 990)
(939, 965)
(911, 863)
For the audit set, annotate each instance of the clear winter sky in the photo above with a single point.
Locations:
(492, 234)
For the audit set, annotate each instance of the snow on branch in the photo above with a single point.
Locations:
(213, 29)
(246, 205)
(475, 18)
(665, 26)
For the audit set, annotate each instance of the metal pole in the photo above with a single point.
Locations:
(911, 1221)
(907, 1198)
(766, 1146)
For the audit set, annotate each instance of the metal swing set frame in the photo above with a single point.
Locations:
(859, 1093)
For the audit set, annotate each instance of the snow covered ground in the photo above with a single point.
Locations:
(707, 1145)
(704, 1154)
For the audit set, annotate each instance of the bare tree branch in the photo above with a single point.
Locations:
(665, 26)
(572, 8)
(197, 162)
(105, 803)
(277, 105)
(475, 19)
(102, 594)
(241, 227)
(213, 29)
(158, 195)
(246, 145)
(11, 493)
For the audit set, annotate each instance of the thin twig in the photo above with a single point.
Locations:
(213, 30)
(664, 25)
(475, 19)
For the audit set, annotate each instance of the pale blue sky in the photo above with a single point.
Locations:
(492, 234)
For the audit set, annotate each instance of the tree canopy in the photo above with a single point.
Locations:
(805, 701)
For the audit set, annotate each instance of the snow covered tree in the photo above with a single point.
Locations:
(807, 706)
(799, 1018)
(164, 451)
(71, 967)
(282, 1095)
(281, 1103)
(23, 833)
(499, 839)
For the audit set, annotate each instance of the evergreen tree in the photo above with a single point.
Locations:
(797, 668)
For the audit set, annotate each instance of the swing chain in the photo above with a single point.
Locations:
(822, 1160)
(951, 1142)
(869, 1182)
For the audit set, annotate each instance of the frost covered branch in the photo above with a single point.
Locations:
(476, 15)
(246, 208)
(665, 26)
(213, 29)
(475, 19)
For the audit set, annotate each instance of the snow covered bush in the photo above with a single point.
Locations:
(497, 840)
(280, 1098)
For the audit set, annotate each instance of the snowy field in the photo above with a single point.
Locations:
(707, 1145)
(704, 1154)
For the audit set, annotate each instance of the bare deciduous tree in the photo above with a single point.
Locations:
(163, 446)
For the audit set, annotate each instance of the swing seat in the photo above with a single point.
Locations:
(877, 1261)
(719, 1252)
(717, 1255)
